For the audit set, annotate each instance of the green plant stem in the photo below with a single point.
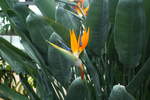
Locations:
(93, 74)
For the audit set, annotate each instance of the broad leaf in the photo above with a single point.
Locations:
(112, 10)
(147, 36)
(58, 28)
(67, 19)
(47, 7)
(44, 89)
(98, 23)
(31, 50)
(16, 14)
(41, 77)
(142, 75)
(19, 61)
(40, 31)
(7, 4)
(11, 94)
(22, 11)
(59, 64)
(129, 32)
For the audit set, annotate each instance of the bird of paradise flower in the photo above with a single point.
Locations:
(79, 8)
(77, 46)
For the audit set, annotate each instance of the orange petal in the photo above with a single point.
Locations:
(84, 40)
(73, 41)
(79, 41)
(82, 1)
(85, 10)
(78, 11)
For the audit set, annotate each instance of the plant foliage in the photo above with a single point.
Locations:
(115, 63)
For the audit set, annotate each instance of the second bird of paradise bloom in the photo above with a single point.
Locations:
(77, 46)
(80, 9)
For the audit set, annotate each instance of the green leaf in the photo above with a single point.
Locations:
(78, 90)
(42, 77)
(12, 95)
(147, 8)
(59, 28)
(67, 19)
(59, 64)
(19, 61)
(43, 85)
(129, 32)
(147, 36)
(18, 22)
(16, 15)
(119, 92)
(7, 4)
(47, 7)
(40, 31)
(142, 75)
(31, 50)
(97, 21)
(22, 11)
(112, 10)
